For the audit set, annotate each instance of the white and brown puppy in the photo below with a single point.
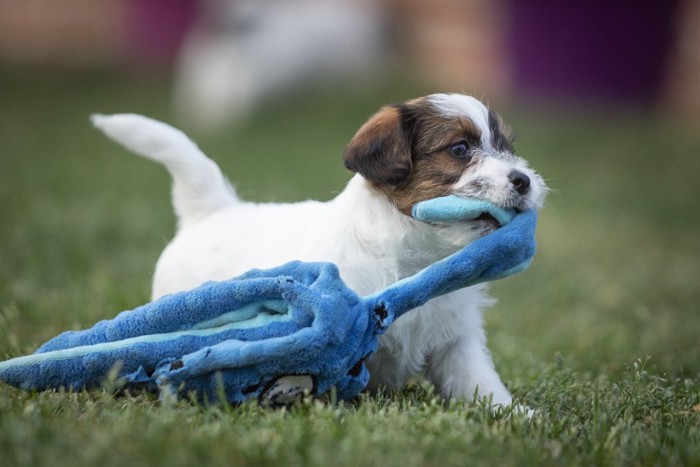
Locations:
(428, 147)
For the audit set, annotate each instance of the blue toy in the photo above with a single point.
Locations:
(270, 334)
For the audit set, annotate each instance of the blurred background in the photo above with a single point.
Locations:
(643, 52)
(603, 95)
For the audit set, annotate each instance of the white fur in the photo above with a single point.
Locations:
(461, 105)
(490, 180)
(372, 243)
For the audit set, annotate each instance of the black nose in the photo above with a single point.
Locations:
(520, 181)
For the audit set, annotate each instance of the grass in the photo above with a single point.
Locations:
(599, 336)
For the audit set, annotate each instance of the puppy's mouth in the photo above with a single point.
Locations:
(454, 209)
(488, 220)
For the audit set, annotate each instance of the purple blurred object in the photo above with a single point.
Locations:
(155, 29)
(598, 49)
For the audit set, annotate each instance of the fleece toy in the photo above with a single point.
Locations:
(270, 334)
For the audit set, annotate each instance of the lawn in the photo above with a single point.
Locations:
(600, 336)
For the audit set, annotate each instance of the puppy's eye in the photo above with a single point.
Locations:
(460, 150)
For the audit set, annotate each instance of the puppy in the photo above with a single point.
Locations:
(432, 146)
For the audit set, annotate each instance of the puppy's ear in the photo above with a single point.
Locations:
(381, 151)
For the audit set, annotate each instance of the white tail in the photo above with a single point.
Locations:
(199, 187)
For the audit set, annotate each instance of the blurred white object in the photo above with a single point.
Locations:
(242, 52)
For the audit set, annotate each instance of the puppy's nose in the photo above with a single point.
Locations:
(520, 181)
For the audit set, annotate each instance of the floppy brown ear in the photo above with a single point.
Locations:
(380, 150)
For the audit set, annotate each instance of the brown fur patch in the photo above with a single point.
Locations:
(501, 135)
(380, 149)
(433, 176)
(437, 134)
(435, 170)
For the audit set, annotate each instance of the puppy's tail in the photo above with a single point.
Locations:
(199, 187)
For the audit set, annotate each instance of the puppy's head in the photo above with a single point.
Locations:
(443, 144)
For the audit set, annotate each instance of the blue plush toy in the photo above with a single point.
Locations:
(270, 334)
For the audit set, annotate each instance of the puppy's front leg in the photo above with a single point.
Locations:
(464, 368)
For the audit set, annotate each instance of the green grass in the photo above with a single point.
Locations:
(600, 335)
